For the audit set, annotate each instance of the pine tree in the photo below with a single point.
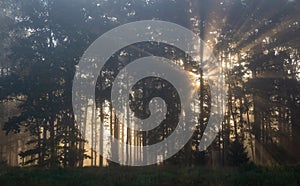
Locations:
(237, 154)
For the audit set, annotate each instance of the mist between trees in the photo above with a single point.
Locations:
(255, 42)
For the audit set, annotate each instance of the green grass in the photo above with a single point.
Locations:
(245, 175)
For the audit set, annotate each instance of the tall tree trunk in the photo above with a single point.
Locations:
(53, 157)
(101, 135)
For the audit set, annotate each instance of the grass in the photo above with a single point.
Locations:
(174, 176)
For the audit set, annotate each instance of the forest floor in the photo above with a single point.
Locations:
(166, 175)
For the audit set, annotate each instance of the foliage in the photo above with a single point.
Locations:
(42, 41)
(237, 153)
(244, 175)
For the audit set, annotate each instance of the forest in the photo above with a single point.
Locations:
(256, 44)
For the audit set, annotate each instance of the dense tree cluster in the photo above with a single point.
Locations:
(258, 48)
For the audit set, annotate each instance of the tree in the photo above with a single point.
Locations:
(237, 154)
(45, 73)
